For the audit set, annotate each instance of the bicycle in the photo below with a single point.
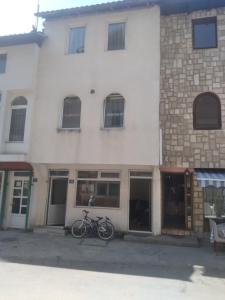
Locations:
(102, 227)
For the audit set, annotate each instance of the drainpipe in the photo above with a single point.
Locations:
(28, 201)
(5, 185)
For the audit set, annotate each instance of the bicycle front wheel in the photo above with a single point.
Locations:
(105, 231)
(78, 229)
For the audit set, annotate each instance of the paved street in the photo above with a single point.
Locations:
(41, 266)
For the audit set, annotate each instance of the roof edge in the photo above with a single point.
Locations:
(97, 8)
(33, 37)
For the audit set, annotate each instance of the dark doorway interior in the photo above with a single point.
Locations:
(174, 201)
(57, 201)
(140, 204)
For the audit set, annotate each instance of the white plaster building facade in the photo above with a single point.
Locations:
(19, 57)
(111, 154)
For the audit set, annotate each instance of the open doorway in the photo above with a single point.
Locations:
(173, 201)
(57, 201)
(140, 204)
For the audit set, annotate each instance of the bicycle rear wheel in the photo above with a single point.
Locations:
(78, 229)
(105, 231)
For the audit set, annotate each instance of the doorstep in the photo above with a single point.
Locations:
(176, 232)
(180, 241)
(57, 230)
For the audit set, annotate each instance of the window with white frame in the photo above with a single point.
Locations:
(102, 187)
(116, 36)
(114, 111)
(18, 119)
(76, 40)
(3, 59)
(71, 113)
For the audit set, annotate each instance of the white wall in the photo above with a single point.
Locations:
(133, 72)
(18, 80)
(119, 216)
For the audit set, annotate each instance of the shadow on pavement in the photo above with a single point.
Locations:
(116, 257)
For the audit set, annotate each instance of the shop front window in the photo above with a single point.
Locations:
(214, 202)
(102, 192)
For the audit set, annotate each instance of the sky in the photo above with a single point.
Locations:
(17, 16)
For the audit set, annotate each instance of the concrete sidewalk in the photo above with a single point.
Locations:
(102, 267)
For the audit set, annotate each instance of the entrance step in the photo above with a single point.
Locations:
(176, 232)
(180, 241)
(58, 230)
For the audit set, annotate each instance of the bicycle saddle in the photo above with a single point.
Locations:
(85, 211)
(99, 218)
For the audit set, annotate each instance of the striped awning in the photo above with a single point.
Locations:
(210, 178)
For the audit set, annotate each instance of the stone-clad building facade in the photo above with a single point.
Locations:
(187, 72)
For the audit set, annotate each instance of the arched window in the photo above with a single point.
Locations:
(207, 112)
(114, 111)
(71, 113)
(18, 118)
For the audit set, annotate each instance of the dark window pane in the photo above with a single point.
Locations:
(22, 173)
(59, 173)
(71, 113)
(25, 188)
(19, 101)
(101, 189)
(23, 210)
(205, 33)
(18, 183)
(110, 175)
(3, 59)
(114, 111)
(114, 189)
(87, 174)
(17, 192)
(16, 206)
(76, 40)
(140, 174)
(116, 36)
(24, 201)
(207, 112)
(59, 191)
(17, 126)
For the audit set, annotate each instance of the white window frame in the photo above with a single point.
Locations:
(104, 114)
(17, 107)
(4, 53)
(60, 127)
(99, 179)
(70, 27)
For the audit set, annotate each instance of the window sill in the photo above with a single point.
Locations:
(69, 129)
(115, 50)
(14, 142)
(75, 53)
(205, 48)
(97, 207)
(111, 128)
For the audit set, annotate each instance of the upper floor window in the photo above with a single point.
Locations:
(18, 118)
(205, 33)
(114, 111)
(3, 59)
(116, 36)
(207, 112)
(71, 113)
(76, 40)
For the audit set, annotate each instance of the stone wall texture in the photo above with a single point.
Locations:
(186, 73)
